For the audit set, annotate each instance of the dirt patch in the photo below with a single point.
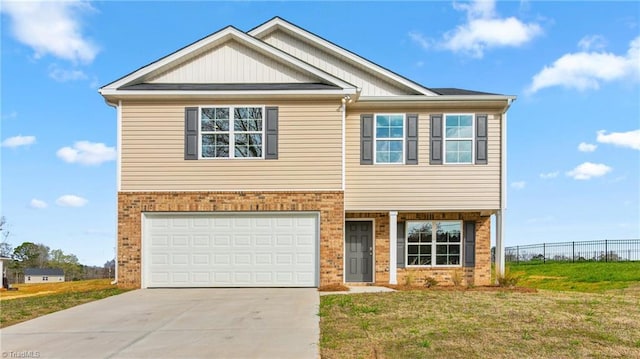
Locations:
(26, 295)
(333, 288)
(450, 288)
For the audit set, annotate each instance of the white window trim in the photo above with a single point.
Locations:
(433, 246)
(375, 139)
(472, 138)
(232, 138)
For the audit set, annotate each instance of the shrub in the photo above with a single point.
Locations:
(430, 282)
(508, 280)
(456, 277)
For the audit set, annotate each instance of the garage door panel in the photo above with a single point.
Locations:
(230, 250)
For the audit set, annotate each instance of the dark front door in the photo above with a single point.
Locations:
(359, 251)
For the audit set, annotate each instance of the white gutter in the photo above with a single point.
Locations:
(419, 98)
(118, 108)
(191, 93)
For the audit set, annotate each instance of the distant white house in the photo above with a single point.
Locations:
(43, 275)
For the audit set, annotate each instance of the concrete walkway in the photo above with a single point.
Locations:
(361, 289)
(176, 323)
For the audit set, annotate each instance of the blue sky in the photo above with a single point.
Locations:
(574, 132)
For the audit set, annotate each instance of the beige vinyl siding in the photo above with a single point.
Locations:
(153, 151)
(421, 187)
(231, 62)
(371, 84)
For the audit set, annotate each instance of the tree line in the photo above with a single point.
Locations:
(38, 255)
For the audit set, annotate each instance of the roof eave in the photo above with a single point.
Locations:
(135, 94)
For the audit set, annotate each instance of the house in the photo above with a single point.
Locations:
(43, 275)
(277, 158)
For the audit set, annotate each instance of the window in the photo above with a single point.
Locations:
(424, 248)
(45, 278)
(458, 138)
(231, 132)
(389, 138)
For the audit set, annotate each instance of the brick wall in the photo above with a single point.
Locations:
(479, 275)
(131, 205)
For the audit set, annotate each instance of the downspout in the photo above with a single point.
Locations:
(118, 108)
(500, 218)
(345, 100)
(343, 108)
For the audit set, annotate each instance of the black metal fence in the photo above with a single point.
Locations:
(607, 250)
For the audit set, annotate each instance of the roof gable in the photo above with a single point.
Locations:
(373, 79)
(256, 62)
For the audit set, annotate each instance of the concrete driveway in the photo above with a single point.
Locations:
(176, 323)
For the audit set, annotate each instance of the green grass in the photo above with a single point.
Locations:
(18, 310)
(596, 277)
(480, 324)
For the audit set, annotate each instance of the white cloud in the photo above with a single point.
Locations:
(629, 139)
(17, 141)
(10, 116)
(483, 30)
(587, 70)
(417, 37)
(36, 203)
(87, 153)
(62, 75)
(586, 147)
(549, 175)
(589, 170)
(519, 184)
(70, 200)
(592, 42)
(51, 27)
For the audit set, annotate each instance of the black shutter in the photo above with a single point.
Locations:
(469, 244)
(400, 257)
(271, 134)
(412, 139)
(436, 142)
(366, 139)
(481, 139)
(191, 133)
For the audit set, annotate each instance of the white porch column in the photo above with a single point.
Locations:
(393, 247)
(500, 265)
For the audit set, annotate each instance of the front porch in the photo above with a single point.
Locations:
(400, 248)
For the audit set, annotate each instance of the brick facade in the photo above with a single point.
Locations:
(131, 205)
(479, 275)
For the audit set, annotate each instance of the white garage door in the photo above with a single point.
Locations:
(230, 250)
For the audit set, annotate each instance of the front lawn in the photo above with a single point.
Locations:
(480, 324)
(34, 300)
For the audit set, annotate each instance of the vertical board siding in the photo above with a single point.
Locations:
(309, 151)
(231, 62)
(422, 186)
(371, 84)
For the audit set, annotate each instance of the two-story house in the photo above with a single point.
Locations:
(276, 158)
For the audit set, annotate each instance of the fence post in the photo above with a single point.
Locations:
(544, 253)
(606, 252)
(573, 252)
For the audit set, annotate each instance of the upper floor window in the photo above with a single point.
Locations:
(458, 138)
(231, 132)
(389, 138)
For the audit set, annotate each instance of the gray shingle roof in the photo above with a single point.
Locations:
(456, 91)
(44, 271)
